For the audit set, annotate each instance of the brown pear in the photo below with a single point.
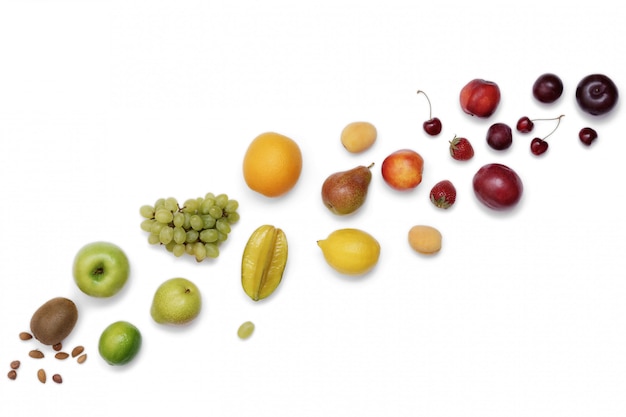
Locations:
(344, 192)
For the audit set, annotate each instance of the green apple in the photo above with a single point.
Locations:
(177, 301)
(101, 269)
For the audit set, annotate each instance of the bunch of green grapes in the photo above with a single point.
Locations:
(196, 228)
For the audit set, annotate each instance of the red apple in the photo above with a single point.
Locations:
(402, 170)
(480, 98)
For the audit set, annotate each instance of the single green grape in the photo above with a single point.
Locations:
(192, 236)
(178, 250)
(180, 236)
(170, 246)
(190, 206)
(178, 219)
(154, 239)
(164, 216)
(212, 250)
(160, 203)
(187, 223)
(199, 201)
(189, 248)
(146, 211)
(209, 195)
(208, 235)
(221, 200)
(233, 217)
(166, 235)
(171, 204)
(216, 212)
(156, 227)
(199, 251)
(209, 221)
(231, 206)
(146, 225)
(207, 203)
(196, 222)
(223, 226)
(245, 330)
(221, 236)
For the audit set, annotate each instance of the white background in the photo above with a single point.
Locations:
(108, 105)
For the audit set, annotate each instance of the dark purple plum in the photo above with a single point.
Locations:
(596, 94)
(499, 136)
(497, 186)
(548, 88)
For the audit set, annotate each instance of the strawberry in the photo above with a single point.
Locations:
(461, 149)
(443, 194)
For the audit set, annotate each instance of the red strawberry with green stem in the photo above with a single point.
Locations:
(443, 194)
(461, 149)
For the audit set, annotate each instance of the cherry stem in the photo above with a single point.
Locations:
(430, 107)
(558, 119)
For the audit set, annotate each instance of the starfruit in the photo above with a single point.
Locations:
(263, 262)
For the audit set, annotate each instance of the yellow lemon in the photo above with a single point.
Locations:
(350, 251)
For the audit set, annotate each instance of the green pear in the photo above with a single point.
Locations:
(177, 301)
(344, 192)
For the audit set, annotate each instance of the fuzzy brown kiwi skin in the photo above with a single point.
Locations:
(54, 320)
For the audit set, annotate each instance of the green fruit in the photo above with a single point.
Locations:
(344, 192)
(183, 229)
(101, 269)
(119, 343)
(176, 301)
(54, 320)
(245, 330)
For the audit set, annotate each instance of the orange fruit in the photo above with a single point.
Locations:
(272, 164)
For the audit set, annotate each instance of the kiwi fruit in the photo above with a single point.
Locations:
(54, 320)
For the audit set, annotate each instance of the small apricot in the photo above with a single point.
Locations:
(425, 239)
(357, 137)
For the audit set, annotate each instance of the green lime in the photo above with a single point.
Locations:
(119, 343)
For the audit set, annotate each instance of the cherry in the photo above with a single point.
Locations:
(432, 126)
(548, 88)
(539, 146)
(499, 136)
(525, 125)
(587, 135)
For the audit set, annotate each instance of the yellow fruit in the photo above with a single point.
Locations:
(272, 164)
(263, 262)
(358, 136)
(425, 239)
(350, 251)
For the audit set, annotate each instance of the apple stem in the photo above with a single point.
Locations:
(558, 119)
(430, 107)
